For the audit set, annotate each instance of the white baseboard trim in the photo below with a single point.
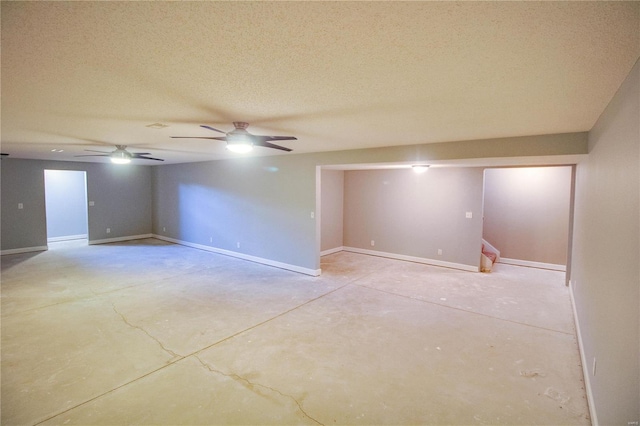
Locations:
(263, 261)
(331, 251)
(23, 250)
(118, 239)
(67, 238)
(424, 260)
(585, 368)
(540, 265)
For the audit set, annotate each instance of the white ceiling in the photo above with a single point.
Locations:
(338, 75)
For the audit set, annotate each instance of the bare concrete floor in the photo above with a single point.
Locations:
(146, 332)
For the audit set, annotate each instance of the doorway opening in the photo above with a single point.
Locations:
(66, 206)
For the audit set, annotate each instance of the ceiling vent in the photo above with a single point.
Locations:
(157, 126)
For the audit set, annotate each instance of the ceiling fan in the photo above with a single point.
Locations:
(240, 140)
(121, 155)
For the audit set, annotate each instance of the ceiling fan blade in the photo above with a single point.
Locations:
(147, 158)
(270, 145)
(93, 150)
(150, 158)
(200, 137)
(140, 153)
(280, 138)
(212, 128)
(94, 155)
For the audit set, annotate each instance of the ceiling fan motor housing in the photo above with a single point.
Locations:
(240, 125)
(121, 153)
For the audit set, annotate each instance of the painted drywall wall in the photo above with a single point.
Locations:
(605, 275)
(265, 202)
(66, 203)
(122, 200)
(121, 196)
(332, 209)
(23, 222)
(258, 207)
(526, 212)
(414, 214)
(523, 146)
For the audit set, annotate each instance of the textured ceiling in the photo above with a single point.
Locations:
(338, 75)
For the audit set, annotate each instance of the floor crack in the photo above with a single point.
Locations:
(169, 351)
(253, 384)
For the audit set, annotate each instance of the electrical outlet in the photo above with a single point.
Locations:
(439, 252)
(238, 244)
(164, 229)
(373, 243)
(469, 215)
(91, 203)
(108, 230)
(20, 206)
(313, 215)
(210, 239)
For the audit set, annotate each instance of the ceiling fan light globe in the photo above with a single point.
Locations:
(239, 147)
(115, 160)
(120, 156)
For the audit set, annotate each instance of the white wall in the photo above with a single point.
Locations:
(416, 214)
(526, 212)
(332, 209)
(605, 275)
(66, 203)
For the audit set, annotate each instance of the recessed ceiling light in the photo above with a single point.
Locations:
(57, 150)
(157, 126)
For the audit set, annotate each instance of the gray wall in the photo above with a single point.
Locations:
(122, 197)
(332, 208)
(606, 253)
(66, 203)
(123, 200)
(265, 202)
(22, 182)
(526, 212)
(416, 214)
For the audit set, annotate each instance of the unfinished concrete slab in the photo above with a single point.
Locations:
(147, 332)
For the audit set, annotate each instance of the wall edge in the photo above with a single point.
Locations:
(424, 260)
(585, 371)
(118, 239)
(23, 250)
(530, 264)
(255, 259)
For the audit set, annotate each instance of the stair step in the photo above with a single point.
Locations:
(491, 255)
